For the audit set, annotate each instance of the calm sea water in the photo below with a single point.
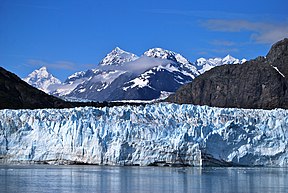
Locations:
(45, 178)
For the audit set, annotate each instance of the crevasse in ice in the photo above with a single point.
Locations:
(158, 134)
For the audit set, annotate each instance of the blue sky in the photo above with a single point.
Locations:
(69, 36)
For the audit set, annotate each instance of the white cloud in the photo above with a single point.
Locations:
(139, 65)
(261, 32)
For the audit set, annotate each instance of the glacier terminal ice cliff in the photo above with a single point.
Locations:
(156, 134)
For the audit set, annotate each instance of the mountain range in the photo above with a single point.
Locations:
(18, 94)
(122, 75)
(258, 83)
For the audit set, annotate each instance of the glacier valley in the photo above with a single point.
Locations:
(155, 134)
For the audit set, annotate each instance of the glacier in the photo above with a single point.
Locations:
(155, 134)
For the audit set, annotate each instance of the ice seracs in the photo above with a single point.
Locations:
(159, 134)
(42, 79)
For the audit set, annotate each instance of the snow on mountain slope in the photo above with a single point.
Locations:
(124, 76)
(72, 82)
(42, 80)
(65, 89)
(166, 54)
(160, 134)
(121, 72)
(184, 65)
(118, 57)
(88, 84)
(204, 65)
(92, 88)
(76, 75)
(157, 78)
(168, 75)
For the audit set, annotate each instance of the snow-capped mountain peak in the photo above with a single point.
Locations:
(230, 60)
(243, 60)
(160, 53)
(42, 79)
(204, 65)
(201, 61)
(167, 54)
(117, 57)
(117, 49)
(40, 73)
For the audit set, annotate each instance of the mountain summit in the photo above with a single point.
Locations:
(166, 54)
(42, 79)
(230, 60)
(204, 65)
(117, 57)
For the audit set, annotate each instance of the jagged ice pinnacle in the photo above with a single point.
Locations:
(160, 134)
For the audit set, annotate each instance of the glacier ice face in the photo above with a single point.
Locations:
(146, 135)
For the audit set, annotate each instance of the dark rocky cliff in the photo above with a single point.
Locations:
(259, 83)
(17, 94)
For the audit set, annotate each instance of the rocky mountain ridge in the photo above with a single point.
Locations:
(259, 83)
(17, 94)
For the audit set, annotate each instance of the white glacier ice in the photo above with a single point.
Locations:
(155, 134)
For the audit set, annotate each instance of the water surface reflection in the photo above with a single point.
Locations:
(45, 178)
